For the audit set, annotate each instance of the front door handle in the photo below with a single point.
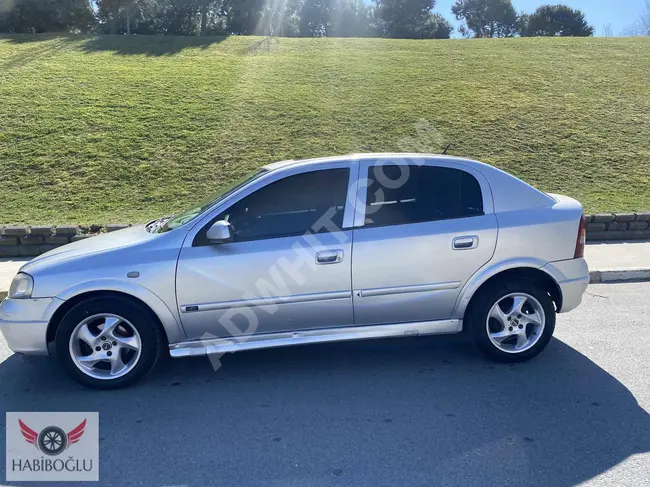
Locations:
(329, 257)
(466, 242)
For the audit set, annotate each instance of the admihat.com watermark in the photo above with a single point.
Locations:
(52, 446)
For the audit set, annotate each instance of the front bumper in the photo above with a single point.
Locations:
(23, 323)
(573, 278)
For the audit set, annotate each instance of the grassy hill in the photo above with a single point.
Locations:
(117, 129)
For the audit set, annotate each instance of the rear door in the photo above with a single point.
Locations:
(422, 228)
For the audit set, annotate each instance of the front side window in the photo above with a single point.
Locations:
(290, 206)
(399, 194)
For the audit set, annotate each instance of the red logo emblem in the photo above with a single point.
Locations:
(52, 440)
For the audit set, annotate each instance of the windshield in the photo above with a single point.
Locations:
(190, 214)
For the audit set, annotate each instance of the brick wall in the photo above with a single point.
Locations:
(29, 241)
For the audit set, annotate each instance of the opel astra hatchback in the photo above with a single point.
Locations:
(321, 250)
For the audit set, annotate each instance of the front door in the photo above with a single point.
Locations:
(287, 268)
(425, 231)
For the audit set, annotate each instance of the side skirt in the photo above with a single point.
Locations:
(284, 339)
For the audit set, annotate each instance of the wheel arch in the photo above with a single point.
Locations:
(172, 331)
(530, 270)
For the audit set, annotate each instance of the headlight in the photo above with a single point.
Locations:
(21, 286)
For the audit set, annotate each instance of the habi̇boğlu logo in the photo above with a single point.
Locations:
(52, 440)
(52, 446)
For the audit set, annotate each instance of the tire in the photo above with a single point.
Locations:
(120, 332)
(488, 336)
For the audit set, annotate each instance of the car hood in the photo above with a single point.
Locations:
(100, 243)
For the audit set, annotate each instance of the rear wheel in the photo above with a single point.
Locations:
(512, 322)
(108, 342)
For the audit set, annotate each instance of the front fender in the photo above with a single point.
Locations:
(174, 330)
(488, 271)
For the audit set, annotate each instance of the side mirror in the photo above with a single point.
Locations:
(220, 231)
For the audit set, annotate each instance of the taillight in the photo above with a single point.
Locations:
(582, 237)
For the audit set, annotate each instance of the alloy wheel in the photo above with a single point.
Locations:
(515, 323)
(105, 346)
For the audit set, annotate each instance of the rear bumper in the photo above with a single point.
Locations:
(573, 278)
(23, 323)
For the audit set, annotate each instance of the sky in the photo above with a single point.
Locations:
(619, 13)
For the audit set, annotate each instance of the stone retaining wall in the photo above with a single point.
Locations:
(618, 226)
(29, 241)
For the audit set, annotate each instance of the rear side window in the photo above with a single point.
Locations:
(399, 194)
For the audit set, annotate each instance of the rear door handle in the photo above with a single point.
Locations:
(329, 257)
(466, 242)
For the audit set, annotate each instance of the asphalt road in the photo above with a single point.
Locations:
(416, 411)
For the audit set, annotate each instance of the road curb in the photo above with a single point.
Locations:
(619, 275)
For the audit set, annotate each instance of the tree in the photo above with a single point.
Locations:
(486, 18)
(242, 16)
(37, 16)
(556, 20)
(403, 18)
(280, 18)
(108, 12)
(129, 16)
(644, 21)
(179, 17)
(642, 26)
(410, 19)
(351, 18)
(205, 9)
(212, 20)
(607, 30)
(316, 18)
(436, 27)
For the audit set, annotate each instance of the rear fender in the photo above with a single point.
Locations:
(488, 271)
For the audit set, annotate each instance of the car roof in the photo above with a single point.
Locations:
(370, 155)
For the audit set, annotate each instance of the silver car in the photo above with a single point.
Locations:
(321, 250)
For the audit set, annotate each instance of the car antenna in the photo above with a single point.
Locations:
(444, 152)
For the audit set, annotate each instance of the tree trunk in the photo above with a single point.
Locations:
(204, 17)
(113, 23)
(128, 20)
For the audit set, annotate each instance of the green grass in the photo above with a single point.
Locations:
(117, 129)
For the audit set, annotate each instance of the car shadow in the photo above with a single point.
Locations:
(424, 411)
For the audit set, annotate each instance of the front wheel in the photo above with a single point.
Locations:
(108, 342)
(512, 322)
